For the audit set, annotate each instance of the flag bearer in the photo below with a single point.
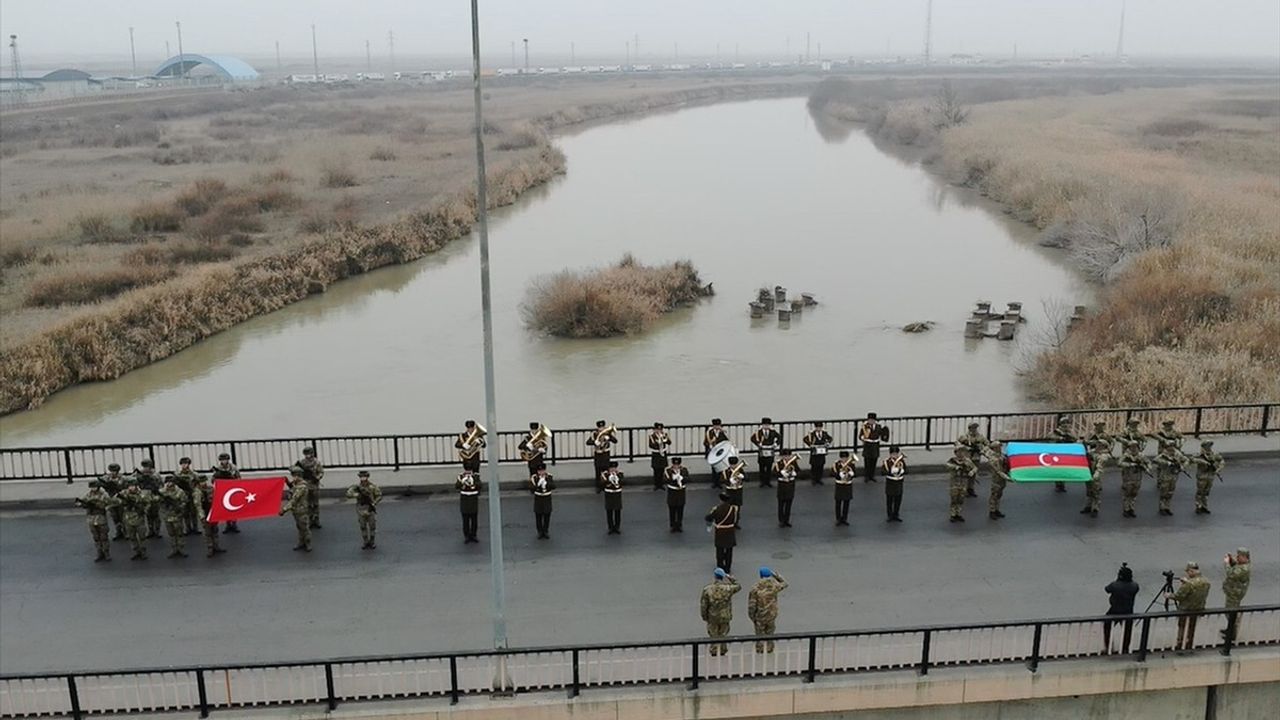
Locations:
(202, 500)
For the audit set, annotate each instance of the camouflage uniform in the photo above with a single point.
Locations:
(977, 444)
(1168, 436)
(97, 503)
(1133, 465)
(1133, 435)
(113, 482)
(999, 478)
(1209, 465)
(717, 609)
(1168, 467)
(1100, 444)
(148, 479)
(202, 503)
(136, 503)
(312, 472)
(367, 497)
(175, 504)
(762, 608)
(1234, 586)
(961, 469)
(1093, 489)
(1063, 434)
(185, 478)
(300, 505)
(1192, 594)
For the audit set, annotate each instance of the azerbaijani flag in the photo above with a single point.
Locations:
(1047, 462)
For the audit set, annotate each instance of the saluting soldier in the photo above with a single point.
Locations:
(960, 469)
(733, 478)
(541, 485)
(1168, 466)
(97, 504)
(659, 445)
(468, 487)
(1209, 465)
(175, 504)
(202, 501)
(724, 526)
(1234, 586)
(675, 480)
(1100, 444)
(762, 606)
(1133, 465)
(977, 444)
(611, 485)
(818, 440)
(312, 472)
(226, 470)
(871, 435)
(895, 475)
(469, 444)
(135, 502)
(1133, 434)
(533, 447)
(1093, 488)
(999, 478)
(1168, 435)
(712, 436)
(185, 478)
(1063, 434)
(367, 496)
(768, 442)
(149, 480)
(601, 442)
(297, 504)
(716, 607)
(785, 470)
(843, 471)
(112, 483)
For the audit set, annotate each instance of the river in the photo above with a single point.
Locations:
(755, 194)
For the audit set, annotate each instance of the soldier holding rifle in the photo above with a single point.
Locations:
(367, 496)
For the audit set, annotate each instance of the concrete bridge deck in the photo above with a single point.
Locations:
(423, 590)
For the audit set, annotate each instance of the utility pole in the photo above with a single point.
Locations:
(391, 49)
(490, 401)
(635, 46)
(278, 65)
(368, 58)
(806, 47)
(513, 53)
(573, 55)
(182, 59)
(20, 95)
(676, 49)
(167, 54)
(526, 49)
(628, 63)
(133, 55)
(315, 53)
(928, 32)
(1120, 39)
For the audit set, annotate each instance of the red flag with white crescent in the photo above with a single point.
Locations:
(236, 499)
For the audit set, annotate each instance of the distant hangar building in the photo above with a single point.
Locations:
(229, 68)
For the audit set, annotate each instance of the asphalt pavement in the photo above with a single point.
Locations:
(423, 590)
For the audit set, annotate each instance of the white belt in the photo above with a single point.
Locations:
(613, 490)
(544, 493)
(469, 492)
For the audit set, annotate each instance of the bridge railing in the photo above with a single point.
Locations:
(436, 449)
(575, 669)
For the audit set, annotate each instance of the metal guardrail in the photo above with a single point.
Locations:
(436, 449)
(574, 669)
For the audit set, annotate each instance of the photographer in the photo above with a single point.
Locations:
(1190, 595)
(1235, 585)
(1121, 594)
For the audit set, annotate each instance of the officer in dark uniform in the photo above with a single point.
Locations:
(713, 436)
(659, 443)
(469, 443)
(734, 478)
(871, 435)
(225, 470)
(724, 521)
(533, 447)
(611, 486)
(819, 441)
(542, 485)
(843, 473)
(895, 475)
(675, 478)
(601, 442)
(468, 486)
(785, 470)
(768, 442)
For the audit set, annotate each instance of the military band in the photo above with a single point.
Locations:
(785, 469)
(843, 472)
(723, 519)
(659, 446)
(541, 486)
(870, 436)
(895, 475)
(469, 444)
(734, 478)
(712, 436)
(468, 486)
(611, 486)
(533, 446)
(768, 442)
(818, 440)
(675, 480)
(601, 441)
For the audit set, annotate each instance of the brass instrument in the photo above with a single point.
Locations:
(537, 443)
(471, 439)
(541, 435)
(609, 430)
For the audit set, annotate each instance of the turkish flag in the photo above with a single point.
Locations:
(246, 498)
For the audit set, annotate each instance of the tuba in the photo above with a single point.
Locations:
(542, 435)
(610, 430)
(473, 436)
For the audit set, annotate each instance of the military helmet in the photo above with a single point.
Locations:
(114, 467)
(308, 451)
(1206, 443)
(1132, 422)
(296, 472)
(184, 461)
(973, 426)
(148, 463)
(224, 456)
(1242, 551)
(94, 485)
(363, 474)
(1166, 423)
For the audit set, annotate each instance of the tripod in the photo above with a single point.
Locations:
(1166, 588)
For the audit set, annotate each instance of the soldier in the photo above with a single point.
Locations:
(611, 485)
(1168, 466)
(185, 479)
(468, 487)
(1133, 465)
(1168, 436)
(112, 483)
(961, 469)
(659, 445)
(149, 480)
(1235, 585)
(1100, 444)
(843, 471)
(135, 502)
(999, 465)
(1209, 465)
(733, 478)
(1063, 434)
(202, 500)
(818, 441)
(533, 447)
(367, 496)
(542, 485)
(175, 504)
(98, 503)
(724, 521)
(299, 504)
(977, 444)
(895, 471)
(1190, 595)
(762, 606)
(714, 435)
(1093, 488)
(674, 479)
(785, 470)
(312, 472)
(601, 442)
(225, 470)
(767, 441)
(1133, 434)
(871, 435)
(717, 607)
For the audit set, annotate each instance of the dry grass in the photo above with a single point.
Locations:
(622, 299)
(84, 286)
(154, 217)
(337, 176)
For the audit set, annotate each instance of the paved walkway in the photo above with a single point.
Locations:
(423, 590)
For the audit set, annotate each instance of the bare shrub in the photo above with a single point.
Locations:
(523, 136)
(155, 217)
(947, 109)
(1176, 127)
(193, 253)
(346, 212)
(230, 215)
(1106, 232)
(274, 198)
(337, 176)
(100, 228)
(315, 223)
(16, 256)
(622, 299)
(382, 154)
(85, 286)
(199, 196)
(277, 175)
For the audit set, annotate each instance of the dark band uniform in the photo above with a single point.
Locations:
(468, 487)
(533, 451)
(843, 472)
(601, 441)
(724, 520)
(611, 486)
(659, 442)
(871, 435)
(542, 487)
(895, 472)
(712, 437)
(819, 441)
(785, 471)
(469, 452)
(675, 478)
(767, 441)
(733, 478)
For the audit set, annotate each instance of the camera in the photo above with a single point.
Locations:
(1229, 559)
(1168, 576)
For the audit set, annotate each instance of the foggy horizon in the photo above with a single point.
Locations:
(1154, 29)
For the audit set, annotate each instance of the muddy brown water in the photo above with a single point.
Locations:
(755, 194)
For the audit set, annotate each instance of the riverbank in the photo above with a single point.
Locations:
(1166, 196)
(47, 349)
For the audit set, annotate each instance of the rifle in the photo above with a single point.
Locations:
(365, 498)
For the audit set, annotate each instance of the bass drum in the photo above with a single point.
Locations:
(719, 456)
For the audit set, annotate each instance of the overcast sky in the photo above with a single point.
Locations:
(53, 30)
